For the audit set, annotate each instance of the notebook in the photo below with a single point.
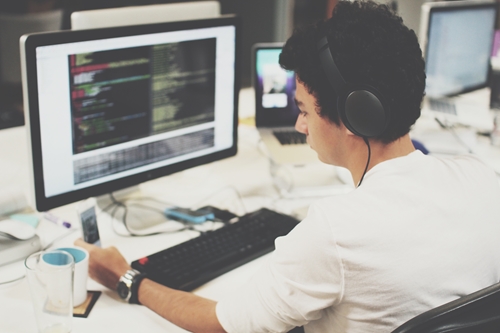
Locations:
(276, 112)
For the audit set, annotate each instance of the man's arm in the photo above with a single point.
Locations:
(186, 310)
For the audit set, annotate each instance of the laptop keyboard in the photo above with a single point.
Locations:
(290, 137)
(443, 106)
(201, 259)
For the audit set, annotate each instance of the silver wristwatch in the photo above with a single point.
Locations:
(128, 285)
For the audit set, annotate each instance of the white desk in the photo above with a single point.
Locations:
(248, 173)
(215, 184)
(186, 189)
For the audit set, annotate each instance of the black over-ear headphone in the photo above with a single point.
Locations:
(360, 106)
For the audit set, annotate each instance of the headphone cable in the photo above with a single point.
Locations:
(367, 161)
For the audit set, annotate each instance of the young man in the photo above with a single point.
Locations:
(417, 232)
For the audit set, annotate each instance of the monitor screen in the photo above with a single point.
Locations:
(274, 88)
(111, 108)
(457, 39)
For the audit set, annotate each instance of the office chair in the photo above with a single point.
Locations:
(478, 312)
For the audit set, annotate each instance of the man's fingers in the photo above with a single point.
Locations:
(81, 243)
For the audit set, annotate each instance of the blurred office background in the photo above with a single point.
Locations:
(263, 21)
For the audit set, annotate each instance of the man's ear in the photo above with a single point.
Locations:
(348, 131)
(345, 129)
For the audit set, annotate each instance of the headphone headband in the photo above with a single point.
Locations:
(332, 72)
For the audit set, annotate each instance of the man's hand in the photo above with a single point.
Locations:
(189, 311)
(106, 266)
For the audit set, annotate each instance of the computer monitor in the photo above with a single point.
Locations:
(111, 108)
(133, 15)
(457, 38)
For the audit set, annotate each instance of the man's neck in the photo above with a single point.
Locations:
(380, 152)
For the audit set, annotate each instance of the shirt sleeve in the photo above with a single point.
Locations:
(303, 276)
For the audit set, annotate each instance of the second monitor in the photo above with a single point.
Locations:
(457, 38)
(132, 15)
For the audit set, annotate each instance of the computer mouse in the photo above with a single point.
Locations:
(16, 229)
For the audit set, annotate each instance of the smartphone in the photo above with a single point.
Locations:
(188, 215)
(88, 219)
(221, 215)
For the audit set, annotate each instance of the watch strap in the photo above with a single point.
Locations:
(128, 285)
(134, 289)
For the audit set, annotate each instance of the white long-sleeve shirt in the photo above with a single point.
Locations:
(419, 232)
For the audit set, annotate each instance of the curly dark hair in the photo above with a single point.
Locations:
(370, 45)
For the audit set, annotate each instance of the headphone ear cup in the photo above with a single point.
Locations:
(360, 105)
(363, 113)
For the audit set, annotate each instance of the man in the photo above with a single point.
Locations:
(417, 232)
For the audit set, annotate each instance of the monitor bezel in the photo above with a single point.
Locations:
(450, 6)
(30, 42)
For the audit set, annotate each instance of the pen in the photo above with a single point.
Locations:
(56, 220)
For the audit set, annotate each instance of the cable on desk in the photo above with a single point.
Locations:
(12, 281)
(285, 185)
(260, 145)
(451, 129)
(273, 166)
(240, 198)
(115, 205)
(141, 199)
(273, 170)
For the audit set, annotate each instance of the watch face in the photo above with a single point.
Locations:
(122, 290)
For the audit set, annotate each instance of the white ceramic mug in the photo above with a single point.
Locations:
(81, 257)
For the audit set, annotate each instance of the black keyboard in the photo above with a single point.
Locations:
(201, 259)
(290, 137)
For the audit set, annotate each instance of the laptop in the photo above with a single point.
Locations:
(275, 109)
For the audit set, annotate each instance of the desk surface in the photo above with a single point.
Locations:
(241, 184)
(214, 184)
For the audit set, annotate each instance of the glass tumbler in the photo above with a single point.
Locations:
(50, 279)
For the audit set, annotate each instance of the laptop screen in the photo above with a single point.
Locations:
(274, 88)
